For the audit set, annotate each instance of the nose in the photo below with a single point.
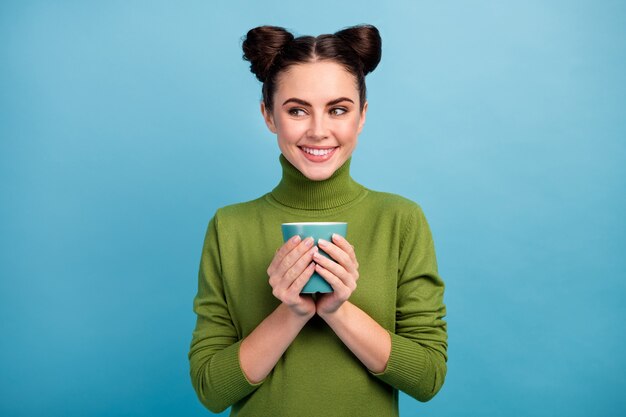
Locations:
(317, 128)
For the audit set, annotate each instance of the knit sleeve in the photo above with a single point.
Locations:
(417, 364)
(215, 371)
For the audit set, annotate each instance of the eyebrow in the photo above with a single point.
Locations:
(306, 103)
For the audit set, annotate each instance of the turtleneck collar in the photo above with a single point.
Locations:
(297, 191)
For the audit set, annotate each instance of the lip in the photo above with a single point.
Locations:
(318, 158)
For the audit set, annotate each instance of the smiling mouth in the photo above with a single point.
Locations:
(317, 151)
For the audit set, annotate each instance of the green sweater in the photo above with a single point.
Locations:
(318, 375)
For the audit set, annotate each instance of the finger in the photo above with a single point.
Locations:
(292, 257)
(282, 251)
(338, 254)
(341, 242)
(293, 273)
(290, 294)
(329, 264)
(340, 287)
(281, 280)
(298, 284)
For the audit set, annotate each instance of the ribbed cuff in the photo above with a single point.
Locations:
(406, 365)
(229, 381)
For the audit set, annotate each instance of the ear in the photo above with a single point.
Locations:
(268, 117)
(362, 120)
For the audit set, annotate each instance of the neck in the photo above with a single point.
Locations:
(297, 191)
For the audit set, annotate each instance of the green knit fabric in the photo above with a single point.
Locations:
(399, 287)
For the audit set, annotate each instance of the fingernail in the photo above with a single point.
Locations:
(322, 242)
(314, 250)
(308, 241)
(295, 239)
(336, 236)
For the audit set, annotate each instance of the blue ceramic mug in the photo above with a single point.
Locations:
(316, 230)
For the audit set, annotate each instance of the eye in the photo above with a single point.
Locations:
(338, 111)
(296, 112)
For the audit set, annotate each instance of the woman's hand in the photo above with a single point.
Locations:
(289, 271)
(342, 273)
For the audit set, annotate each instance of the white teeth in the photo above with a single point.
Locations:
(317, 152)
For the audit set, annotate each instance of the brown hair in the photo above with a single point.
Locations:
(272, 49)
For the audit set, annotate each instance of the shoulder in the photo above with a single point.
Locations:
(234, 218)
(240, 211)
(395, 203)
(405, 213)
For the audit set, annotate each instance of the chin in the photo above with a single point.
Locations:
(318, 173)
(320, 177)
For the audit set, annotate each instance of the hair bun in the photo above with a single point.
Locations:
(366, 42)
(260, 47)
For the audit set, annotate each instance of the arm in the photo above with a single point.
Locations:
(367, 339)
(215, 371)
(289, 271)
(223, 368)
(417, 363)
(413, 358)
(262, 349)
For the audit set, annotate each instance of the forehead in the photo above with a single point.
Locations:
(322, 80)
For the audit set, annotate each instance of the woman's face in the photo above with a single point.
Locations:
(316, 117)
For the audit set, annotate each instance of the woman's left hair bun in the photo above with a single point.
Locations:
(260, 47)
(366, 42)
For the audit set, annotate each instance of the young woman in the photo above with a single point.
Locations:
(260, 345)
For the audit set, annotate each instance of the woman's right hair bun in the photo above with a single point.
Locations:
(366, 42)
(261, 45)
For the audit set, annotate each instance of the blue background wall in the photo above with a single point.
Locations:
(124, 125)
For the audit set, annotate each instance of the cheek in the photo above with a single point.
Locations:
(348, 131)
(290, 129)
